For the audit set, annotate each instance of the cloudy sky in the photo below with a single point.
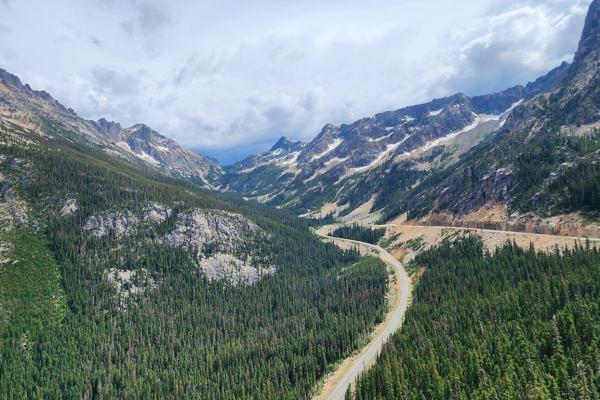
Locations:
(227, 78)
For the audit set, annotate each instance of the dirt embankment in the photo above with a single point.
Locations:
(496, 218)
(406, 241)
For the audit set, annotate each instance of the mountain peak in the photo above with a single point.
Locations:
(7, 78)
(589, 44)
(284, 144)
(110, 127)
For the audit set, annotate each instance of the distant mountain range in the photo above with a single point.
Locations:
(447, 161)
(405, 134)
(516, 160)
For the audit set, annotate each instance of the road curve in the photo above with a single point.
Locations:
(369, 353)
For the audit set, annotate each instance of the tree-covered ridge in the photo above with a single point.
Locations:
(513, 325)
(178, 334)
(357, 232)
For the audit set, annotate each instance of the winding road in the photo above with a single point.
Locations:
(369, 353)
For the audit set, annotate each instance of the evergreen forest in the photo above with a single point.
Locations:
(357, 232)
(516, 324)
(67, 331)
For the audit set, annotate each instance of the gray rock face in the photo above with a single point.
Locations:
(589, 44)
(16, 163)
(157, 213)
(225, 266)
(493, 189)
(120, 223)
(201, 228)
(69, 208)
(125, 283)
(13, 210)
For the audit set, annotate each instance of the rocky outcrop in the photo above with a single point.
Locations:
(200, 228)
(586, 58)
(129, 283)
(157, 213)
(225, 266)
(6, 193)
(120, 223)
(13, 210)
(70, 206)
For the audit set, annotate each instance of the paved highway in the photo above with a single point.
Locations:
(369, 353)
(491, 231)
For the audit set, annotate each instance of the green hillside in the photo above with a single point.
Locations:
(513, 325)
(69, 330)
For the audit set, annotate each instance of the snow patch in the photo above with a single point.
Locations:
(339, 160)
(276, 152)
(512, 107)
(434, 113)
(388, 150)
(389, 128)
(162, 148)
(488, 117)
(452, 135)
(381, 138)
(406, 118)
(330, 147)
(293, 159)
(148, 157)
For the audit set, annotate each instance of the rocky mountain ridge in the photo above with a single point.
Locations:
(388, 161)
(38, 111)
(410, 135)
(537, 173)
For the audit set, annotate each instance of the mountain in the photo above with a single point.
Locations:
(37, 110)
(538, 172)
(523, 159)
(511, 323)
(335, 167)
(118, 280)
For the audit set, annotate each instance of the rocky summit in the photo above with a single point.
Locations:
(38, 111)
(293, 174)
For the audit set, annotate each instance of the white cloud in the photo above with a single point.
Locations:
(228, 78)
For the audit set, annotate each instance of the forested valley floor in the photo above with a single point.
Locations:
(516, 324)
(67, 331)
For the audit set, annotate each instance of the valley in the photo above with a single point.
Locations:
(417, 239)
(442, 250)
